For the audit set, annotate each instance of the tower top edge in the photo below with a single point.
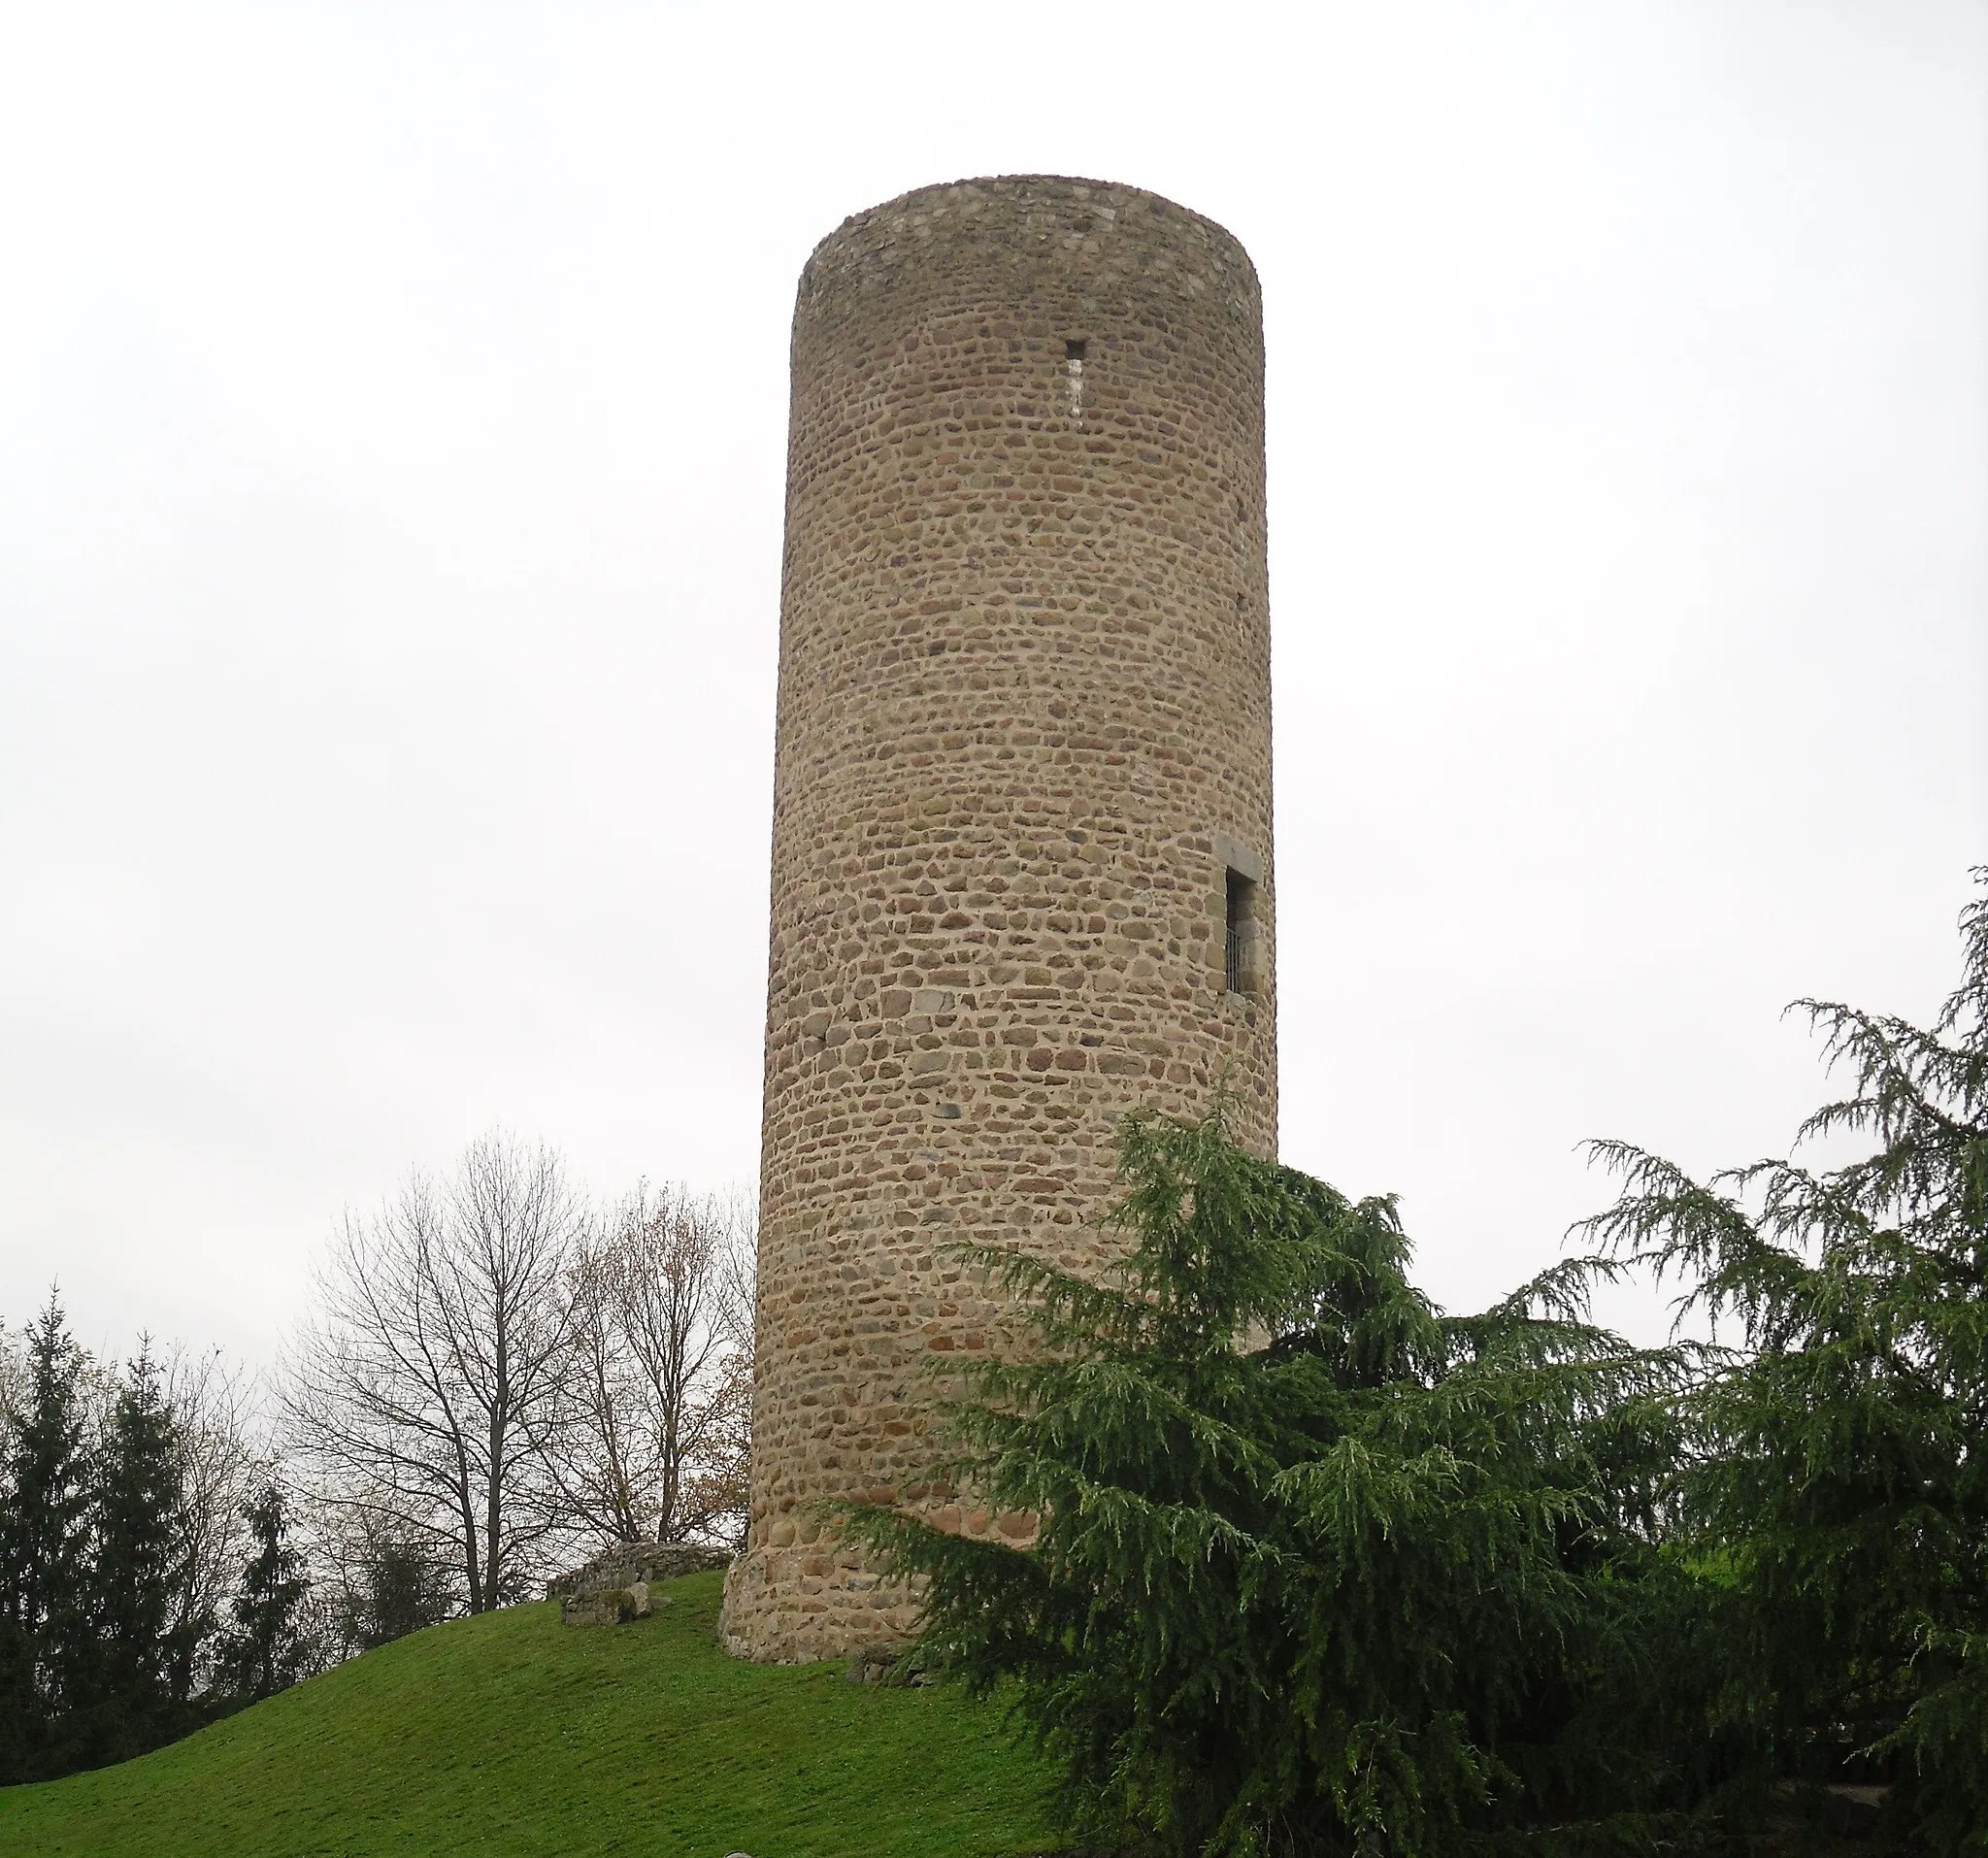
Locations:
(931, 211)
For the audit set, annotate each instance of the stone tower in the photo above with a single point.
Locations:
(1021, 846)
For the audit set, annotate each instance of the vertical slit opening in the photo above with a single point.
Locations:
(1238, 948)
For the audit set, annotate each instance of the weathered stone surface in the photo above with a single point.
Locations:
(1023, 742)
(884, 1662)
(610, 1607)
(614, 1587)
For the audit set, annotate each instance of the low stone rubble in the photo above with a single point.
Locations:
(892, 1661)
(614, 1586)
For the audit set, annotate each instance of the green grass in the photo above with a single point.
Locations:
(512, 1733)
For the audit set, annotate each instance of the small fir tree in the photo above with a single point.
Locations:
(143, 1642)
(45, 1639)
(403, 1589)
(268, 1648)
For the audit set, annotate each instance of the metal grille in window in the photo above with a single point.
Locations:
(1238, 947)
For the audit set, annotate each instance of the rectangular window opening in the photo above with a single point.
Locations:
(1073, 349)
(1240, 945)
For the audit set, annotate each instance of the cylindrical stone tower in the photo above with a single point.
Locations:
(1021, 846)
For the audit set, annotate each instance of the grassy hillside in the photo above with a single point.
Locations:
(512, 1733)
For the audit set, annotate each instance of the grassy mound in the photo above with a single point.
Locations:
(512, 1733)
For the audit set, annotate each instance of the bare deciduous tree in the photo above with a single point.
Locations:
(14, 1380)
(215, 1422)
(430, 1389)
(661, 1303)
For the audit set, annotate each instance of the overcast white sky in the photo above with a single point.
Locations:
(392, 409)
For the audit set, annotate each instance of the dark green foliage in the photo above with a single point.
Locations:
(1839, 1461)
(100, 1635)
(402, 1589)
(45, 1637)
(1320, 1571)
(268, 1649)
(142, 1643)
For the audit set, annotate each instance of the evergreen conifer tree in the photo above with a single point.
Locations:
(1318, 1570)
(404, 1591)
(268, 1649)
(1837, 1466)
(45, 1636)
(144, 1646)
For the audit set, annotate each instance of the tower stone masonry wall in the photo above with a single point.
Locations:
(1021, 799)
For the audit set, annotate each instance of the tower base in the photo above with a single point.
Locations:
(810, 1601)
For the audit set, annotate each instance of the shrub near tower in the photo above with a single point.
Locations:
(1021, 849)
